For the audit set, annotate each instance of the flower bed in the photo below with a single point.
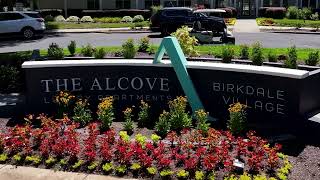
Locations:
(81, 145)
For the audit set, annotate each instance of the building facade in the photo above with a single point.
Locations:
(244, 7)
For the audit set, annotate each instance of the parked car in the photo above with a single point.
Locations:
(168, 20)
(28, 24)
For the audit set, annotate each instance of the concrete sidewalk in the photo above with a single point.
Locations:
(9, 172)
(99, 30)
(246, 26)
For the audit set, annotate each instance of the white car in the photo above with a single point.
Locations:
(27, 23)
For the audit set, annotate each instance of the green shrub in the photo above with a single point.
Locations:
(179, 118)
(59, 19)
(128, 49)
(77, 165)
(272, 57)
(144, 44)
(163, 126)
(186, 42)
(3, 158)
(128, 123)
(49, 18)
(9, 76)
(55, 52)
(127, 19)
(313, 58)
(138, 18)
(87, 51)
(151, 171)
(72, 47)
(306, 13)
(143, 115)
(314, 16)
(86, 19)
(293, 12)
(137, 25)
(99, 53)
(106, 113)
(291, 62)
(244, 51)
(155, 9)
(256, 54)
(152, 49)
(108, 20)
(121, 170)
(93, 165)
(50, 161)
(81, 112)
(202, 121)
(199, 175)
(227, 54)
(73, 19)
(118, 53)
(107, 168)
(238, 119)
(182, 174)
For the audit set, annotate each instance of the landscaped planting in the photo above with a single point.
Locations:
(184, 153)
(288, 22)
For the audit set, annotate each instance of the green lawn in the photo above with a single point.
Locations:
(69, 25)
(216, 51)
(287, 22)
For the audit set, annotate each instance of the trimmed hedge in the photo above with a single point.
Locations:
(51, 12)
(117, 13)
(272, 12)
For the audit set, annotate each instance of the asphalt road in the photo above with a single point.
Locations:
(116, 39)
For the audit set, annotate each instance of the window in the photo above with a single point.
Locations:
(184, 3)
(149, 3)
(33, 15)
(93, 4)
(10, 16)
(123, 4)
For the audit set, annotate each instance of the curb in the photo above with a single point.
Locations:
(279, 29)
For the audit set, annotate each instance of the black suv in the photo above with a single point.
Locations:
(168, 20)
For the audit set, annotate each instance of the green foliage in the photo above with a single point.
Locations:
(138, 18)
(108, 20)
(72, 47)
(59, 19)
(313, 58)
(8, 78)
(293, 12)
(284, 171)
(128, 123)
(211, 176)
(152, 49)
(179, 118)
(87, 50)
(291, 62)
(73, 19)
(124, 136)
(202, 121)
(105, 113)
(120, 170)
(128, 49)
(238, 118)
(152, 171)
(108, 167)
(77, 165)
(163, 126)
(186, 42)
(227, 54)
(82, 113)
(155, 138)
(143, 115)
(298, 25)
(144, 44)
(17, 157)
(155, 9)
(86, 19)
(306, 13)
(99, 53)
(182, 174)
(244, 51)
(245, 176)
(63, 162)
(36, 160)
(260, 177)
(3, 158)
(166, 173)
(135, 167)
(314, 16)
(256, 54)
(50, 161)
(55, 52)
(141, 139)
(93, 166)
(272, 57)
(126, 19)
(199, 175)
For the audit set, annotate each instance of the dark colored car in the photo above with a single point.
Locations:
(168, 20)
